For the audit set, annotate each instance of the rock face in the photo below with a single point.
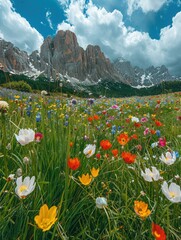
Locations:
(136, 76)
(62, 54)
(12, 59)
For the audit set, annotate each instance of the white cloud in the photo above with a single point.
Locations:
(93, 25)
(48, 15)
(145, 5)
(17, 29)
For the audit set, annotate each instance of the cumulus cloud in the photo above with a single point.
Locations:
(48, 15)
(94, 25)
(145, 5)
(17, 29)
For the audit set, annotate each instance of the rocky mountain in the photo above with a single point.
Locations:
(61, 58)
(138, 77)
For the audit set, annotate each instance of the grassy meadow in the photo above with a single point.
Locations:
(90, 169)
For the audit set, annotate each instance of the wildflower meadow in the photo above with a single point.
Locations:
(100, 169)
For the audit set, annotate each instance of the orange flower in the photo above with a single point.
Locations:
(73, 163)
(158, 232)
(134, 136)
(123, 139)
(96, 117)
(71, 144)
(128, 157)
(90, 119)
(152, 131)
(141, 209)
(115, 152)
(105, 144)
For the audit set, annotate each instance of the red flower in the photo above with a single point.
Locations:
(134, 136)
(105, 144)
(158, 123)
(115, 152)
(128, 157)
(73, 163)
(90, 119)
(98, 155)
(38, 137)
(123, 139)
(96, 117)
(137, 124)
(158, 232)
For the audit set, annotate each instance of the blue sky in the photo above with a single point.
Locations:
(145, 32)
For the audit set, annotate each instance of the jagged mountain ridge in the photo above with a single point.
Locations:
(61, 57)
(138, 77)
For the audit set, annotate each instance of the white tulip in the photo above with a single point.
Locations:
(169, 158)
(89, 150)
(149, 175)
(101, 202)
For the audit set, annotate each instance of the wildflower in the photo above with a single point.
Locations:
(115, 152)
(172, 193)
(149, 175)
(144, 119)
(158, 123)
(141, 209)
(73, 163)
(128, 157)
(135, 119)
(43, 93)
(4, 106)
(137, 124)
(95, 172)
(105, 144)
(147, 131)
(123, 139)
(25, 136)
(134, 136)
(74, 101)
(98, 155)
(85, 179)
(155, 144)
(38, 136)
(162, 142)
(169, 158)
(46, 217)
(89, 150)
(26, 160)
(158, 232)
(18, 172)
(25, 187)
(139, 147)
(10, 177)
(101, 202)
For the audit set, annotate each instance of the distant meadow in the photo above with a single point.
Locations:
(100, 169)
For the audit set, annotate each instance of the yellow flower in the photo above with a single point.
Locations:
(46, 217)
(141, 209)
(95, 172)
(85, 179)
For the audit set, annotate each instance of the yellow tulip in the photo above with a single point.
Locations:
(141, 209)
(85, 179)
(95, 172)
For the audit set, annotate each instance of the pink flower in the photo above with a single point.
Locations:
(162, 142)
(144, 119)
(147, 131)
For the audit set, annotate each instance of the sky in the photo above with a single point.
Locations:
(144, 32)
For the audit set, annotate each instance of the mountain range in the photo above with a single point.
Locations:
(61, 58)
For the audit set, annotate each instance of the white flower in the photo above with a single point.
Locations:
(135, 119)
(89, 150)
(43, 93)
(4, 106)
(155, 144)
(10, 177)
(101, 202)
(25, 187)
(25, 136)
(149, 175)
(169, 158)
(173, 192)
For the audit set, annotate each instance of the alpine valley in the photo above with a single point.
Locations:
(61, 59)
